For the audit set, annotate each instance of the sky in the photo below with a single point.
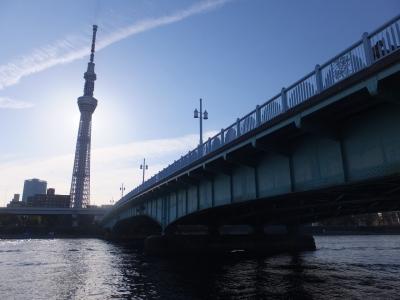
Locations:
(154, 60)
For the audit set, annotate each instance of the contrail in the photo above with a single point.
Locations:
(9, 103)
(72, 48)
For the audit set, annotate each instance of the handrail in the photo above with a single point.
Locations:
(385, 25)
(353, 59)
(300, 80)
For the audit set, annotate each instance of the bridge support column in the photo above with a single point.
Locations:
(75, 222)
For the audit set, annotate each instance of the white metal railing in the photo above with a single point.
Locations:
(365, 52)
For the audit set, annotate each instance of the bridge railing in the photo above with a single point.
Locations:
(365, 52)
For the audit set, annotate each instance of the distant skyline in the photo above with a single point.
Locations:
(154, 60)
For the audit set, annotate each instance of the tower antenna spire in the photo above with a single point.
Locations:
(90, 75)
(93, 43)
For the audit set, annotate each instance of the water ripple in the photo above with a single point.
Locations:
(347, 267)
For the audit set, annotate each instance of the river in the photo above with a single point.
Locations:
(356, 267)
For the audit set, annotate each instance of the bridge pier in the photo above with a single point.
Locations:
(256, 242)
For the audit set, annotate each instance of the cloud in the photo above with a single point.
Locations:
(76, 47)
(9, 103)
(110, 166)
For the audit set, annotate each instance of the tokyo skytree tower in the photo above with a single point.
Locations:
(80, 185)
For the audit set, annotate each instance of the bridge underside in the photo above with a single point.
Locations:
(138, 227)
(369, 196)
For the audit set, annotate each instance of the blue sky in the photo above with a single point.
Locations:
(155, 60)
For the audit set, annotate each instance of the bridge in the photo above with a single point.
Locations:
(40, 221)
(51, 211)
(327, 145)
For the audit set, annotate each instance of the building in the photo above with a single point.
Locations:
(32, 187)
(15, 202)
(80, 183)
(15, 198)
(50, 199)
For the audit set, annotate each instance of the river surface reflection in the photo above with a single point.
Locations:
(343, 267)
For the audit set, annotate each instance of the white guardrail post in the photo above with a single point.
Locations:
(237, 127)
(284, 100)
(318, 78)
(200, 151)
(367, 49)
(258, 116)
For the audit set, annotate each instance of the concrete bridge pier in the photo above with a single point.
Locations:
(75, 222)
(214, 242)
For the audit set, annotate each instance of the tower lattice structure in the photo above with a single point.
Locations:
(80, 185)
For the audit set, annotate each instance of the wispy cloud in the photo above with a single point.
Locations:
(111, 166)
(75, 47)
(8, 103)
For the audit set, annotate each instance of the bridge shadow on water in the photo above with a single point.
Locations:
(345, 267)
(238, 275)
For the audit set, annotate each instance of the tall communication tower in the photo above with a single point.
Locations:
(80, 185)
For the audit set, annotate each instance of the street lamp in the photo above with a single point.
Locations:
(144, 167)
(202, 115)
(122, 189)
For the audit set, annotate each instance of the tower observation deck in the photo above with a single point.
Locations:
(80, 185)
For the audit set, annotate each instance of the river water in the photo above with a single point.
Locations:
(356, 267)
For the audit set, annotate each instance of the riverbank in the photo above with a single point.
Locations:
(46, 232)
(352, 230)
(48, 236)
(97, 232)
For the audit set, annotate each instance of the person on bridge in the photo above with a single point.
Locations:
(379, 50)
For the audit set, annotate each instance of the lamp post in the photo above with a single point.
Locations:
(143, 167)
(201, 116)
(122, 189)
